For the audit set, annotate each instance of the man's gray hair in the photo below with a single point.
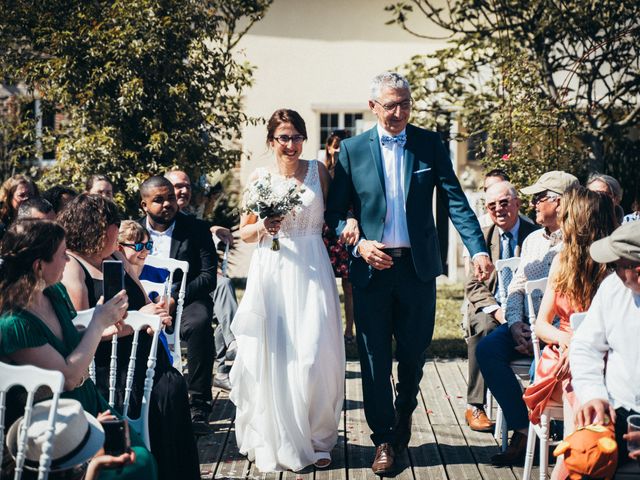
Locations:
(388, 80)
(612, 184)
(502, 185)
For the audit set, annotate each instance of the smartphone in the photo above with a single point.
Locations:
(113, 278)
(116, 437)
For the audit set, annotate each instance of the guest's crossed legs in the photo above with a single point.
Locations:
(394, 303)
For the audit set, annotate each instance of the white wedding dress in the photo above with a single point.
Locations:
(288, 376)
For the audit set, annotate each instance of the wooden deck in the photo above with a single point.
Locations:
(442, 445)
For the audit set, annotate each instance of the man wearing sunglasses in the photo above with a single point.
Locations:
(388, 175)
(504, 236)
(512, 340)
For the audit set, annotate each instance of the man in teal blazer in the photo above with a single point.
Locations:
(387, 176)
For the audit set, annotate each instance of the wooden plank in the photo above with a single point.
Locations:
(337, 469)
(481, 444)
(210, 447)
(256, 474)
(423, 454)
(360, 450)
(402, 462)
(435, 398)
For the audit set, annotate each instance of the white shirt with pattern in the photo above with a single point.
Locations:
(161, 241)
(536, 255)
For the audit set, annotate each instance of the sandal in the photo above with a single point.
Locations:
(323, 460)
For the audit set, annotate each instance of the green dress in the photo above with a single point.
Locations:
(21, 329)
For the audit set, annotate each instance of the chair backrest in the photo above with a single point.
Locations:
(82, 319)
(502, 267)
(139, 321)
(534, 288)
(575, 320)
(31, 378)
(171, 265)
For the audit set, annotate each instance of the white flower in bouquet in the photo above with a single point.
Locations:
(265, 197)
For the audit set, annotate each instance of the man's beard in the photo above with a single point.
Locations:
(161, 220)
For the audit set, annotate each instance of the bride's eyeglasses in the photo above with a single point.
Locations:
(285, 139)
(139, 246)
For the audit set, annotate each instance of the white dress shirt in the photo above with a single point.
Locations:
(395, 233)
(161, 241)
(612, 326)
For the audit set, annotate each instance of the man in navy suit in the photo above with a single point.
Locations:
(387, 176)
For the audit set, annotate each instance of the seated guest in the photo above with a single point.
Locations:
(610, 334)
(99, 185)
(512, 340)
(184, 237)
(78, 452)
(13, 192)
(599, 182)
(58, 196)
(573, 280)
(224, 299)
(36, 327)
(91, 223)
(37, 208)
(492, 177)
(635, 213)
(504, 239)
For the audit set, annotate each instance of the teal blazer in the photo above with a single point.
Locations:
(359, 184)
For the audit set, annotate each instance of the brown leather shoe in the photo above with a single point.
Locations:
(383, 462)
(515, 452)
(477, 419)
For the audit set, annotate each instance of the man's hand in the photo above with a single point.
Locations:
(223, 234)
(595, 411)
(482, 267)
(521, 333)
(371, 252)
(499, 315)
(351, 233)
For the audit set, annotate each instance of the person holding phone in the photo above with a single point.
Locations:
(36, 324)
(92, 223)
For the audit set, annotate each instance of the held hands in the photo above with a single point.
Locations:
(272, 225)
(371, 252)
(110, 315)
(159, 309)
(521, 333)
(351, 233)
(223, 234)
(595, 411)
(482, 267)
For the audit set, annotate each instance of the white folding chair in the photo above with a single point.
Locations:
(553, 410)
(502, 267)
(576, 319)
(171, 265)
(82, 319)
(31, 378)
(137, 321)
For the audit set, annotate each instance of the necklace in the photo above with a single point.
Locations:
(295, 172)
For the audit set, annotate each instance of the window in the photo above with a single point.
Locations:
(337, 121)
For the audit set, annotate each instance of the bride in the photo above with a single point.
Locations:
(288, 377)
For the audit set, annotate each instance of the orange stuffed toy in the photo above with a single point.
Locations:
(590, 452)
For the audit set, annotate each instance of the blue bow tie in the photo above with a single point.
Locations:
(399, 139)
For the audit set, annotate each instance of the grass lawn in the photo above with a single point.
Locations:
(447, 342)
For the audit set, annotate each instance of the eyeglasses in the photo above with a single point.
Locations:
(622, 266)
(542, 197)
(503, 203)
(285, 139)
(139, 246)
(391, 107)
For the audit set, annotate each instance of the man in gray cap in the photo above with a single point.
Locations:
(611, 329)
(512, 340)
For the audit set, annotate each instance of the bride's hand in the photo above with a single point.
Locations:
(351, 233)
(272, 224)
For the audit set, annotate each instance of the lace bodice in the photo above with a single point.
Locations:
(309, 218)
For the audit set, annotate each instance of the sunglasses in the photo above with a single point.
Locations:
(139, 246)
(503, 203)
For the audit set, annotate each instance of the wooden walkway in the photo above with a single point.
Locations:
(442, 445)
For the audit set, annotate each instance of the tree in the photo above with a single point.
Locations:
(144, 84)
(546, 84)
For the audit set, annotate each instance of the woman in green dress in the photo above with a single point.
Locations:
(36, 327)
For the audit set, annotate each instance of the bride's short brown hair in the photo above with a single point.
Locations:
(285, 115)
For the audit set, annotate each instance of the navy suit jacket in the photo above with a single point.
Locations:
(359, 182)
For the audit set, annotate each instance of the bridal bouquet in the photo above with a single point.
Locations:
(268, 198)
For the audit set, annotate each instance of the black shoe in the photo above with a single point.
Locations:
(515, 452)
(200, 418)
(221, 381)
(402, 432)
